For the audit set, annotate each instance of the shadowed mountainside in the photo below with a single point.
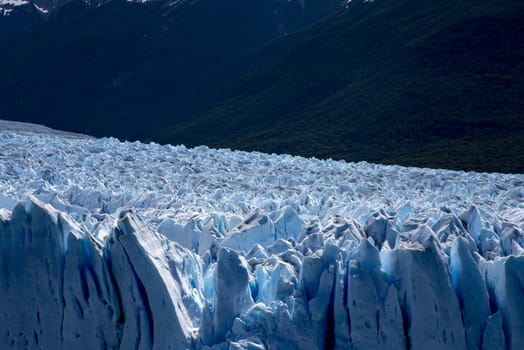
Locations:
(423, 83)
(431, 83)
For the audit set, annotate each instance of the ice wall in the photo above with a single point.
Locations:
(60, 289)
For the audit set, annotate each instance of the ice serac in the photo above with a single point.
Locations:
(287, 223)
(257, 228)
(493, 337)
(505, 282)
(471, 292)
(374, 312)
(62, 289)
(447, 228)
(31, 287)
(91, 307)
(487, 240)
(54, 287)
(380, 228)
(431, 312)
(340, 311)
(158, 284)
(232, 296)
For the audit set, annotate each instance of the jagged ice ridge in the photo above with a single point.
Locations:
(110, 245)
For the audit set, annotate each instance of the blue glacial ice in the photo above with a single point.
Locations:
(116, 245)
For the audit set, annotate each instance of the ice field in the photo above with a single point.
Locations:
(111, 245)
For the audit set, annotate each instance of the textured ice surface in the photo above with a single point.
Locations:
(29, 128)
(108, 245)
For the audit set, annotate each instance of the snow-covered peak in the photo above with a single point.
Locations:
(45, 7)
(7, 6)
(13, 2)
(156, 247)
(41, 7)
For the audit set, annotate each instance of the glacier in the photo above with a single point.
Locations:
(117, 245)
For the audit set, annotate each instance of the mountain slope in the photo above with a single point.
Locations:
(126, 69)
(425, 83)
(431, 83)
(16, 17)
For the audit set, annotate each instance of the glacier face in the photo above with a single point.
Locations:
(107, 245)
